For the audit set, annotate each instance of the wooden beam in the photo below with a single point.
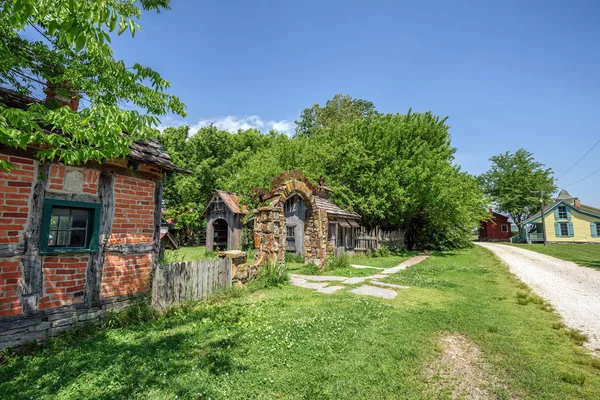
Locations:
(32, 286)
(106, 191)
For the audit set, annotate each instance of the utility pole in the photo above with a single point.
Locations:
(542, 214)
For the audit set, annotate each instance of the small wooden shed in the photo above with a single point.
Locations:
(224, 222)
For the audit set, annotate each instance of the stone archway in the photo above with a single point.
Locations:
(270, 229)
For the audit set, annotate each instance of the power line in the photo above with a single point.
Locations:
(583, 179)
(572, 166)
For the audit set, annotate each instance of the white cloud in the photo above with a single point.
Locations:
(233, 124)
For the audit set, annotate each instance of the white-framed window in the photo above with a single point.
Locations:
(504, 228)
(562, 212)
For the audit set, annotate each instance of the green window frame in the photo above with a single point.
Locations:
(66, 208)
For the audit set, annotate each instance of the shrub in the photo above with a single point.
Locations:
(270, 275)
(336, 262)
(294, 258)
(309, 269)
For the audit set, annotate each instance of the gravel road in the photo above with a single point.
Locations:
(573, 290)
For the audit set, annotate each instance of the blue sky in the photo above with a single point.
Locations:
(508, 74)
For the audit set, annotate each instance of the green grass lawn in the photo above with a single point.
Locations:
(192, 253)
(380, 262)
(583, 254)
(294, 343)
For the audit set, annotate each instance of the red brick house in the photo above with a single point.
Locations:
(75, 241)
(497, 229)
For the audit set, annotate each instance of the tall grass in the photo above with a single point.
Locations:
(270, 275)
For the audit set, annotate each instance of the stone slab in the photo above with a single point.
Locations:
(330, 289)
(364, 266)
(408, 263)
(356, 279)
(319, 278)
(392, 285)
(378, 276)
(375, 291)
(308, 285)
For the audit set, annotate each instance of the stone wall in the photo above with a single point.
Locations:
(270, 232)
(269, 235)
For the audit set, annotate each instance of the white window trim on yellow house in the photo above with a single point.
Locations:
(581, 226)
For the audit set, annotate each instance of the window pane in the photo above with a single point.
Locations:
(564, 230)
(63, 238)
(54, 222)
(52, 238)
(80, 218)
(64, 222)
(598, 229)
(78, 238)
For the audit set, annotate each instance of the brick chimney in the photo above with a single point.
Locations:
(60, 96)
(576, 202)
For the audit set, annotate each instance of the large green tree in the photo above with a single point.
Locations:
(393, 169)
(514, 181)
(341, 109)
(71, 54)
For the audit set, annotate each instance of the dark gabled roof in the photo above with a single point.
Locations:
(334, 210)
(231, 201)
(149, 152)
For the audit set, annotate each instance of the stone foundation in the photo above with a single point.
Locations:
(17, 330)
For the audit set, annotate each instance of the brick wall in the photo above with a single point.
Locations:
(15, 194)
(134, 211)
(58, 179)
(126, 274)
(10, 279)
(64, 280)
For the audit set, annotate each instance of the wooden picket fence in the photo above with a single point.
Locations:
(176, 282)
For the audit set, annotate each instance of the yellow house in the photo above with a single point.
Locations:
(566, 220)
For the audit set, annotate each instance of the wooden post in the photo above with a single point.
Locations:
(32, 286)
(96, 263)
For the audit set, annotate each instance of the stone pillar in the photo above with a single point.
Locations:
(269, 235)
(317, 248)
(241, 271)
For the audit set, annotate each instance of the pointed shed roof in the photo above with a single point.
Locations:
(564, 195)
(230, 200)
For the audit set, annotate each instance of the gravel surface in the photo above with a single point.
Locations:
(573, 290)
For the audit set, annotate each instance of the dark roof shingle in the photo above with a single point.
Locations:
(334, 210)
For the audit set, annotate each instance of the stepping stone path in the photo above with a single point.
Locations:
(320, 283)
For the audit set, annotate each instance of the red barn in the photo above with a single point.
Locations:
(495, 230)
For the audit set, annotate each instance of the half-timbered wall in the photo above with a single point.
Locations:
(44, 294)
